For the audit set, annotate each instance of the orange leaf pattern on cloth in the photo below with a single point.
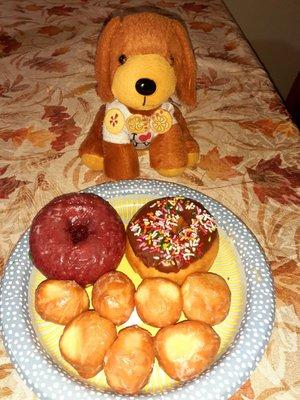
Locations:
(194, 7)
(249, 147)
(269, 127)
(5, 370)
(219, 167)
(50, 30)
(210, 80)
(17, 136)
(8, 44)
(5, 391)
(286, 273)
(34, 7)
(46, 64)
(62, 125)
(203, 26)
(272, 181)
(232, 45)
(60, 51)
(60, 10)
(245, 392)
(38, 138)
(9, 185)
(8, 88)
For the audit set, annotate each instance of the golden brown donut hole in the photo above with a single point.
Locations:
(113, 297)
(186, 349)
(206, 297)
(158, 302)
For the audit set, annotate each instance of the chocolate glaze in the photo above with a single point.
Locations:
(171, 232)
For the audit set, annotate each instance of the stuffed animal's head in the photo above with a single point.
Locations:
(142, 59)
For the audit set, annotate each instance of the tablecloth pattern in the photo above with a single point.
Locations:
(249, 146)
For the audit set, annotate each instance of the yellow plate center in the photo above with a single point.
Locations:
(226, 264)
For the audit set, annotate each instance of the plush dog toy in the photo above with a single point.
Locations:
(141, 60)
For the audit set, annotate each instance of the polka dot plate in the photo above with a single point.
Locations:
(33, 343)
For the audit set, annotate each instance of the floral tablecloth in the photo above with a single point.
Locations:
(249, 146)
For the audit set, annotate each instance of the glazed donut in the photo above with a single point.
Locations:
(171, 237)
(77, 236)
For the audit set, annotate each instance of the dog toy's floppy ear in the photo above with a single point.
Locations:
(102, 66)
(186, 67)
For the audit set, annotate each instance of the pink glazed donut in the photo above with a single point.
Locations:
(77, 236)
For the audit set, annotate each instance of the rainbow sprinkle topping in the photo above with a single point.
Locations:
(174, 231)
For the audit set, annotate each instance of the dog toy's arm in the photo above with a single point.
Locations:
(176, 149)
(168, 155)
(120, 161)
(120, 157)
(91, 150)
(190, 143)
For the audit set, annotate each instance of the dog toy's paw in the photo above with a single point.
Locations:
(192, 160)
(171, 171)
(93, 161)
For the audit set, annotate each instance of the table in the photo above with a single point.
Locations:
(249, 146)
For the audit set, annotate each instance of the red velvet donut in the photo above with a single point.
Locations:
(77, 236)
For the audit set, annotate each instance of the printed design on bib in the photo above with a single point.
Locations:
(137, 123)
(141, 141)
(120, 126)
(161, 121)
(114, 121)
(143, 128)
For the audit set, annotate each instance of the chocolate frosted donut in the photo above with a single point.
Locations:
(77, 236)
(172, 237)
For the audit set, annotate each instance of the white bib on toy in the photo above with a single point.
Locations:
(121, 126)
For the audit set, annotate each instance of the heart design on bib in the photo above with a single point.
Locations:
(145, 137)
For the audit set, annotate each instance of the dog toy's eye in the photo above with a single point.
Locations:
(122, 59)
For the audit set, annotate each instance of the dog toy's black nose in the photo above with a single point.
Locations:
(145, 86)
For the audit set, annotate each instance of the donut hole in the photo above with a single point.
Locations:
(206, 298)
(78, 232)
(113, 297)
(180, 226)
(158, 302)
(186, 349)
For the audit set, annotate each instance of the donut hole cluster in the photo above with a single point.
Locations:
(90, 341)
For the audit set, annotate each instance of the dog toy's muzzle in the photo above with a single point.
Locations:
(145, 86)
(144, 81)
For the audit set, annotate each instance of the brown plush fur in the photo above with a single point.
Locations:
(168, 151)
(146, 33)
(93, 142)
(139, 34)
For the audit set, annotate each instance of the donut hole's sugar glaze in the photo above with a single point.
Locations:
(78, 236)
(170, 233)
